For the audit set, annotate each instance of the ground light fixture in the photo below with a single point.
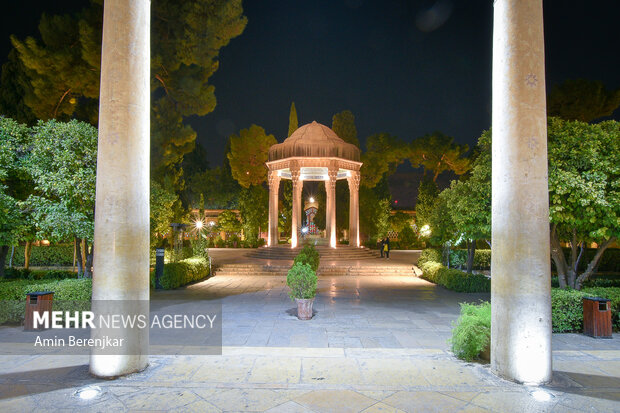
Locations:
(88, 393)
(311, 199)
(541, 395)
(198, 224)
(304, 230)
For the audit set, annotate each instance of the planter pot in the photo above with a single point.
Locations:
(304, 308)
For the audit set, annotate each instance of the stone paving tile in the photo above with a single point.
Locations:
(336, 401)
(158, 399)
(382, 408)
(276, 370)
(424, 401)
(511, 401)
(289, 407)
(257, 400)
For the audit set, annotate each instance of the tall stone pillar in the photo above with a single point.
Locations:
(296, 215)
(121, 260)
(520, 284)
(274, 189)
(354, 208)
(330, 219)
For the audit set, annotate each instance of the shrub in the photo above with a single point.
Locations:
(430, 269)
(472, 331)
(308, 255)
(53, 255)
(566, 310)
(458, 258)
(302, 281)
(429, 254)
(69, 295)
(23, 274)
(199, 248)
(460, 281)
(178, 274)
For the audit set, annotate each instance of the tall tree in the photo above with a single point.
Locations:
(293, 123)
(343, 124)
(584, 193)
(248, 153)
(254, 210)
(13, 220)
(425, 203)
(583, 100)
(384, 152)
(63, 162)
(186, 39)
(437, 153)
(14, 85)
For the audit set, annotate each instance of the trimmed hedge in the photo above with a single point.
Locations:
(308, 255)
(453, 279)
(178, 274)
(429, 254)
(69, 295)
(50, 256)
(24, 274)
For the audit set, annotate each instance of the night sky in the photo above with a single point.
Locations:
(403, 67)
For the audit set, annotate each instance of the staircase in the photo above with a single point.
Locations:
(342, 269)
(343, 252)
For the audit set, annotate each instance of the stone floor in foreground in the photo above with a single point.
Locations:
(375, 344)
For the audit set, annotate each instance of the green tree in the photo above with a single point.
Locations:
(248, 153)
(254, 210)
(228, 222)
(384, 152)
(162, 212)
(438, 153)
(582, 100)
(584, 193)
(187, 36)
(13, 220)
(343, 124)
(14, 85)
(425, 203)
(293, 123)
(63, 162)
(443, 229)
(285, 207)
(469, 201)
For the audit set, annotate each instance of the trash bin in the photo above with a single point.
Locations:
(40, 301)
(597, 317)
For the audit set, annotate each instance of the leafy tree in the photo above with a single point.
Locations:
(228, 222)
(469, 201)
(14, 85)
(425, 203)
(343, 124)
(293, 123)
(62, 162)
(248, 153)
(285, 207)
(384, 152)
(584, 193)
(13, 137)
(399, 221)
(582, 100)
(254, 210)
(443, 229)
(438, 153)
(162, 212)
(64, 70)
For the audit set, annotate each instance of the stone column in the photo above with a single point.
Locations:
(520, 286)
(354, 209)
(330, 218)
(295, 216)
(121, 260)
(274, 189)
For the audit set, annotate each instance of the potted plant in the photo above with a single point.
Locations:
(302, 281)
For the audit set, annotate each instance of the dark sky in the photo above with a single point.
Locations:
(397, 70)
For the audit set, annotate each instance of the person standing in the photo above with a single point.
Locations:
(386, 247)
(380, 244)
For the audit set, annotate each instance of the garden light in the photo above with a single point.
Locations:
(311, 199)
(541, 395)
(425, 231)
(88, 393)
(199, 224)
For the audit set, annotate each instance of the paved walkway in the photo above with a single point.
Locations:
(375, 344)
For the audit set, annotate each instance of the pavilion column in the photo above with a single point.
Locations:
(274, 189)
(296, 213)
(354, 209)
(330, 219)
(121, 257)
(520, 286)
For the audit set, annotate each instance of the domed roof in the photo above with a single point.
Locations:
(314, 140)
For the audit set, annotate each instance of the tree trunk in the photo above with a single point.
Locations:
(594, 263)
(558, 257)
(12, 255)
(78, 247)
(27, 250)
(88, 273)
(4, 250)
(446, 255)
(471, 252)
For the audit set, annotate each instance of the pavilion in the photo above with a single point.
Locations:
(314, 153)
